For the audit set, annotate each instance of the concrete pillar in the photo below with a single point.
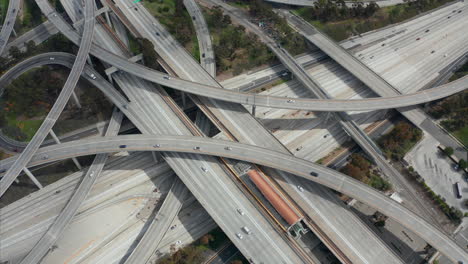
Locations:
(106, 13)
(156, 157)
(183, 99)
(57, 140)
(75, 98)
(90, 62)
(253, 110)
(109, 76)
(31, 176)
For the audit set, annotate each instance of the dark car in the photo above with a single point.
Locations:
(313, 173)
(122, 146)
(203, 55)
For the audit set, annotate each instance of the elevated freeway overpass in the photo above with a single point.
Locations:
(258, 155)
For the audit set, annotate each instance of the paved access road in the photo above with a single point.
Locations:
(274, 159)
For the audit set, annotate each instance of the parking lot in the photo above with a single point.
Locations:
(438, 171)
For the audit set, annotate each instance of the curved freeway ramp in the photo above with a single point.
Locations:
(34, 144)
(63, 219)
(258, 155)
(332, 105)
(207, 57)
(9, 23)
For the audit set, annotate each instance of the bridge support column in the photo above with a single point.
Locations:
(106, 13)
(156, 157)
(254, 108)
(57, 140)
(75, 98)
(31, 176)
(182, 94)
(203, 123)
(90, 62)
(109, 76)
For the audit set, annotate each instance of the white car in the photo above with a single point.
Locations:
(196, 148)
(178, 242)
(93, 76)
(240, 211)
(91, 174)
(204, 169)
(167, 77)
(247, 230)
(290, 101)
(51, 58)
(300, 188)
(157, 146)
(228, 148)
(239, 235)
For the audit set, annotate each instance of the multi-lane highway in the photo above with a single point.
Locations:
(146, 100)
(9, 23)
(254, 99)
(207, 57)
(369, 77)
(49, 121)
(37, 35)
(160, 225)
(265, 157)
(61, 222)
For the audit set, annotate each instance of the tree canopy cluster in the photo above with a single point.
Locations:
(360, 169)
(277, 27)
(150, 56)
(325, 10)
(453, 109)
(234, 48)
(399, 141)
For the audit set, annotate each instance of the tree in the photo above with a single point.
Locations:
(462, 164)
(448, 151)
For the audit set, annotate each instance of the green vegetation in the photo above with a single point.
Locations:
(361, 169)
(55, 43)
(150, 56)
(3, 9)
(29, 96)
(448, 151)
(173, 15)
(453, 111)
(277, 27)
(400, 140)
(134, 46)
(463, 71)
(235, 50)
(341, 22)
(462, 164)
(32, 16)
(194, 253)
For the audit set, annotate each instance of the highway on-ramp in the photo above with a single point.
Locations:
(49, 121)
(9, 23)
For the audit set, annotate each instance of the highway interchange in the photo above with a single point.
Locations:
(134, 111)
